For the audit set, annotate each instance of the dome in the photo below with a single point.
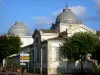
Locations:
(67, 16)
(19, 29)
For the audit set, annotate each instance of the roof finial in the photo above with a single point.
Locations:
(67, 8)
(67, 4)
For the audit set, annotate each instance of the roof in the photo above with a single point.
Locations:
(48, 31)
(56, 38)
(67, 16)
(44, 31)
(19, 29)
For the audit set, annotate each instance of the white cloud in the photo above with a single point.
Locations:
(97, 2)
(57, 12)
(92, 18)
(80, 11)
(1, 2)
(42, 20)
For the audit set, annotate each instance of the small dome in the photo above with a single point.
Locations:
(67, 16)
(19, 29)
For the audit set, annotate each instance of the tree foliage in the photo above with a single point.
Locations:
(9, 44)
(80, 44)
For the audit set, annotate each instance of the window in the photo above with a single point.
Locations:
(35, 55)
(55, 54)
(44, 54)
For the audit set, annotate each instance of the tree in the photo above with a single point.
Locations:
(79, 45)
(9, 44)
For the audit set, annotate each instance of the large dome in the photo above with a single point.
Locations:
(67, 16)
(19, 29)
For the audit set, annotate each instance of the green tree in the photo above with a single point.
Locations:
(9, 44)
(79, 45)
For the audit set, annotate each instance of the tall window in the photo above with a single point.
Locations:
(35, 55)
(55, 54)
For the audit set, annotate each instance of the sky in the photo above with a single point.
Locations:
(42, 13)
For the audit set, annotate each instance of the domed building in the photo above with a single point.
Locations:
(23, 32)
(67, 16)
(19, 29)
(45, 54)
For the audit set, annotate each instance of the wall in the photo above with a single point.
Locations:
(41, 37)
(64, 26)
(46, 36)
(73, 28)
(58, 66)
(52, 63)
(26, 40)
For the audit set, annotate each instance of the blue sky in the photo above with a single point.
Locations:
(41, 13)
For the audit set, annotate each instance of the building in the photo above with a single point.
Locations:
(43, 51)
(45, 54)
(23, 32)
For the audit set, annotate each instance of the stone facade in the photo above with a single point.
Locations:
(43, 45)
(46, 43)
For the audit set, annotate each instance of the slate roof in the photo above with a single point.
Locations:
(19, 29)
(48, 31)
(67, 16)
(56, 38)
